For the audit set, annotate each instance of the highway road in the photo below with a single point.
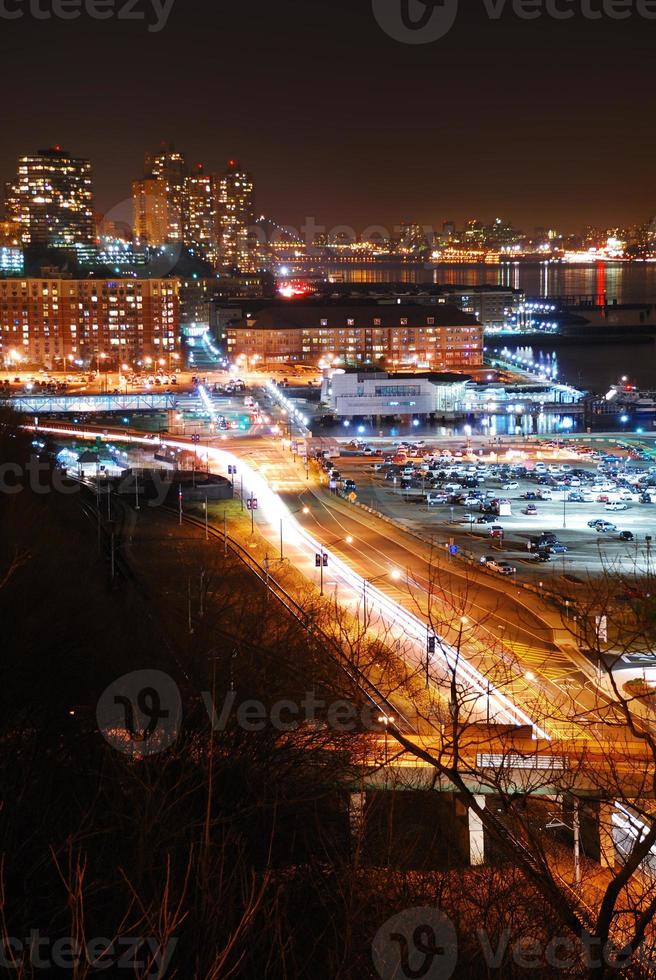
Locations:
(498, 643)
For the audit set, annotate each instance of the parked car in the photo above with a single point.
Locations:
(540, 556)
(502, 567)
(496, 531)
(556, 549)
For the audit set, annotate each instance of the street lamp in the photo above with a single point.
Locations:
(394, 573)
(303, 510)
(386, 720)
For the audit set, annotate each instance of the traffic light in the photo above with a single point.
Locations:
(317, 561)
(195, 438)
(432, 644)
(325, 561)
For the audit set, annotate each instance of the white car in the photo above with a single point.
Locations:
(616, 505)
(501, 567)
(510, 486)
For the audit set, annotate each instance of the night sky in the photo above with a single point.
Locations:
(542, 122)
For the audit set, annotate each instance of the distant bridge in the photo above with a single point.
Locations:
(87, 404)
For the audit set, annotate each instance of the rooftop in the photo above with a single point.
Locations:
(299, 316)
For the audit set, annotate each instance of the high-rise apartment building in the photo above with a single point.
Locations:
(200, 213)
(52, 200)
(158, 199)
(235, 217)
(170, 166)
(55, 322)
(151, 212)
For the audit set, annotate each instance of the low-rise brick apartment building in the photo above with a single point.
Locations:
(437, 337)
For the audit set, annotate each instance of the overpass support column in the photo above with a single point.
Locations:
(476, 835)
(606, 839)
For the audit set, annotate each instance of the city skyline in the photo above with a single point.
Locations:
(189, 210)
(387, 134)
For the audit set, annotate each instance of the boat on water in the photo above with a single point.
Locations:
(627, 394)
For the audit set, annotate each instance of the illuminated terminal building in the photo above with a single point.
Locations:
(440, 338)
(60, 322)
(51, 200)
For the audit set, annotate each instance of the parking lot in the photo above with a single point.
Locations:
(500, 502)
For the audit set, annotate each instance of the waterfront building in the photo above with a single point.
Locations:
(411, 335)
(377, 394)
(494, 308)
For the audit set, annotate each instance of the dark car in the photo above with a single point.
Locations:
(626, 536)
(540, 555)
(350, 485)
(645, 498)
(487, 519)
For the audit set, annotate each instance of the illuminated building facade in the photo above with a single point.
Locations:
(151, 213)
(200, 214)
(235, 216)
(56, 322)
(441, 338)
(158, 199)
(11, 260)
(52, 200)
